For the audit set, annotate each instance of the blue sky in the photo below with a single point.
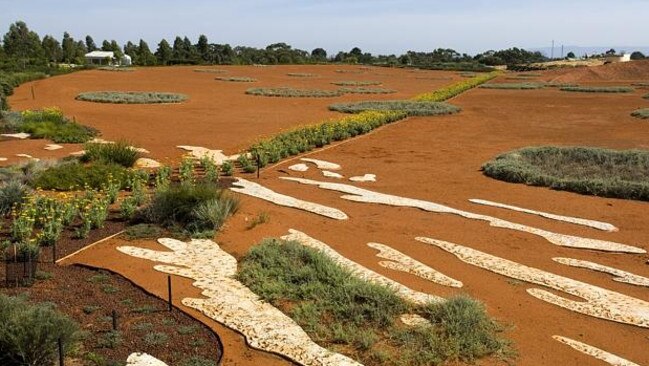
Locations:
(377, 26)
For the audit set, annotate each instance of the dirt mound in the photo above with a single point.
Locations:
(628, 71)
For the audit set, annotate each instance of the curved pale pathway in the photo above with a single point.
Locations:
(329, 174)
(299, 167)
(599, 302)
(231, 303)
(599, 225)
(620, 275)
(414, 320)
(364, 178)
(20, 135)
(595, 352)
(143, 359)
(147, 163)
(216, 156)
(360, 271)
(52, 147)
(400, 262)
(256, 190)
(321, 164)
(363, 195)
(3, 159)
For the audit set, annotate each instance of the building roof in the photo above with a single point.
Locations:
(100, 54)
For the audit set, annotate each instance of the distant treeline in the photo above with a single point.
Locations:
(24, 49)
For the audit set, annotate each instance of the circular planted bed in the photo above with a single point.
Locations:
(641, 113)
(585, 170)
(411, 107)
(598, 89)
(294, 93)
(129, 97)
(517, 86)
(364, 90)
(356, 83)
(238, 79)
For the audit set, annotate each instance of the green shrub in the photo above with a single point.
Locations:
(344, 312)
(286, 92)
(410, 107)
(50, 124)
(143, 231)
(210, 168)
(12, 193)
(639, 113)
(561, 85)
(246, 164)
(519, 86)
(598, 89)
(127, 208)
(131, 97)
(156, 339)
(74, 176)
(261, 218)
(120, 153)
(365, 90)
(356, 83)
(195, 208)
(29, 333)
(110, 340)
(585, 170)
(197, 361)
(227, 168)
(237, 79)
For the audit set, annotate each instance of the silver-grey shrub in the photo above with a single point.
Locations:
(287, 92)
(131, 97)
(410, 107)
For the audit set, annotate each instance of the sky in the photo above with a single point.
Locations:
(377, 26)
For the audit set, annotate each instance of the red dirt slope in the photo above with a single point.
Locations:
(628, 71)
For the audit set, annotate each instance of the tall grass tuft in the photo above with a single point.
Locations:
(585, 170)
(120, 153)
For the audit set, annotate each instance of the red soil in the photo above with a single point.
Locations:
(627, 71)
(438, 159)
(218, 115)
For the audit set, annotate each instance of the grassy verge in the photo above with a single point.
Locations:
(49, 123)
(598, 89)
(458, 88)
(348, 315)
(131, 97)
(585, 170)
(518, 86)
(286, 92)
(410, 107)
(641, 113)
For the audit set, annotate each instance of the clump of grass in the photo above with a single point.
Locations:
(143, 231)
(518, 86)
(237, 79)
(261, 218)
(356, 83)
(585, 170)
(197, 361)
(74, 175)
(50, 123)
(365, 90)
(302, 75)
(287, 92)
(156, 339)
(212, 71)
(120, 153)
(131, 97)
(110, 340)
(359, 318)
(411, 107)
(638, 113)
(195, 208)
(598, 89)
(145, 309)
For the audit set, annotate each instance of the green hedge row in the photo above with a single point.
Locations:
(458, 88)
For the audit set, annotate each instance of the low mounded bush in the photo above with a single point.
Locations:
(519, 86)
(48, 123)
(598, 89)
(12, 192)
(641, 113)
(365, 90)
(302, 75)
(212, 71)
(585, 170)
(356, 83)
(287, 92)
(29, 333)
(120, 153)
(131, 97)
(561, 85)
(238, 79)
(73, 175)
(359, 318)
(410, 107)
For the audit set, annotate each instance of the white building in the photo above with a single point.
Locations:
(617, 58)
(100, 58)
(126, 60)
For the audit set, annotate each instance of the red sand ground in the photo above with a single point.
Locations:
(438, 159)
(627, 71)
(218, 115)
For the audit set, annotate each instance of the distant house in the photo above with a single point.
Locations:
(126, 60)
(617, 58)
(100, 58)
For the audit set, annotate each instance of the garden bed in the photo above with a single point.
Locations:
(598, 89)
(286, 92)
(411, 107)
(518, 86)
(131, 97)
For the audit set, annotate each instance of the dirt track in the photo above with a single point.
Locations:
(438, 159)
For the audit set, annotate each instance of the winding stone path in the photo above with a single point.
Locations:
(321, 164)
(620, 275)
(595, 352)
